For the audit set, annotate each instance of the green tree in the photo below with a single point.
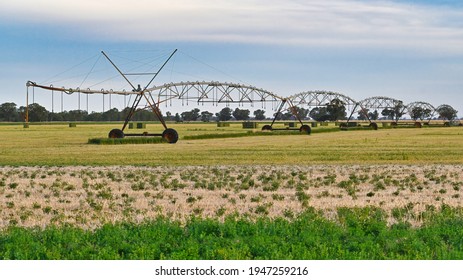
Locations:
(394, 113)
(373, 115)
(420, 113)
(206, 116)
(144, 115)
(37, 113)
(301, 113)
(110, 115)
(287, 116)
(416, 113)
(362, 114)
(259, 114)
(447, 112)
(241, 115)
(192, 115)
(9, 112)
(336, 110)
(319, 114)
(168, 116)
(94, 117)
(388, 113)
(58, 116)
(177, 118)
(225, 114)
(365, 114)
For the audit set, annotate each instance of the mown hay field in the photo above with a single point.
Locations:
(62, 145)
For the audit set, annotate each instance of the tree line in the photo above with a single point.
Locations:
(9, 112)
(333, 111)
(416, 113)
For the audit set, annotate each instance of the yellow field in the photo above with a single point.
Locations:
(61, 145)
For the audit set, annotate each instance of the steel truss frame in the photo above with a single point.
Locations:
(449, 123)
(313, 99)
(423, 105)
(382, 102)
(201, 92)
(213, 92)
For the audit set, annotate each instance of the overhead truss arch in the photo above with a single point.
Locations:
(312, 99)
(420, 104)
(322, 98)
(213, 92)
(446, 111)
(319, 98)
(380, 102)
(197, 91)
(421, 110)
(395, 106)
(445, 106)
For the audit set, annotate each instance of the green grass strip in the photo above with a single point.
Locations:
(156, 140)
(358, 234)
(127, 140)
(215, 136)
(256, 133)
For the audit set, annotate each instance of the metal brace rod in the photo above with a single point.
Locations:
(283, 102)
(118, 70)
(142, 93)
(294, 112)
(155, 75)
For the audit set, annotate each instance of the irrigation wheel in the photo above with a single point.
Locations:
(170, 135)
(116, 133)
(374, 125)
(305, 129)
(267, 128)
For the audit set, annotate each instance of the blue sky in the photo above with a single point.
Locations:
(408, 50)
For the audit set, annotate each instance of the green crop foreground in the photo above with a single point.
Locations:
(358, 234)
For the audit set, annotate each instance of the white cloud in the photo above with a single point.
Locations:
(338, 23)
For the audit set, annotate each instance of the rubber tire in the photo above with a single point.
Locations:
(170, 135)
(374, 126)
(305, 129)
(116, 133)
(267, 128)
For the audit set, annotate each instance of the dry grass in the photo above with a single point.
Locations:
(60, 145)
(91, 196)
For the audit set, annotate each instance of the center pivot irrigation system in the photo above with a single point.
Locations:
(201, 92)
(215, 93)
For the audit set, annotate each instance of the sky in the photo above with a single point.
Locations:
(408, 50)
